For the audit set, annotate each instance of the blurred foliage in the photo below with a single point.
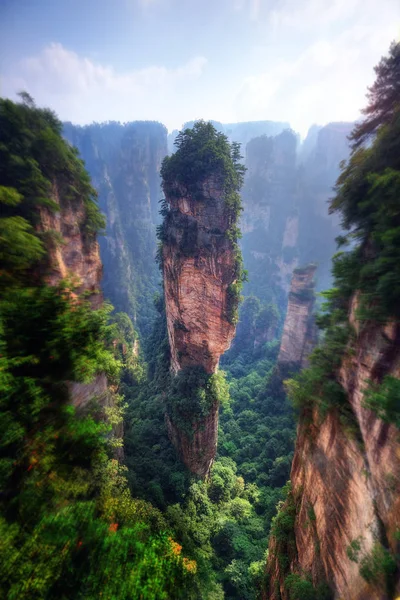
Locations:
(69, 526)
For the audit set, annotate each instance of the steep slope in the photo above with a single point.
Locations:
(124, 162)
(340, 522)
(202, 274)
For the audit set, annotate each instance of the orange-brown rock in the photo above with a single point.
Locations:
(198, 267)
(299, 334)
(75, 256)
(196, 286)
(346, 475)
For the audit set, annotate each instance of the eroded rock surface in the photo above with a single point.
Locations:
(346, 481)
(299, 333)
(196, 286)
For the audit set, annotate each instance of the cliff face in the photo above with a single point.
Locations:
(196, 287)
(74, 256)
(285, 220)
(299, 334)
(346, 484)
(124, 163)
(77, 256)
(197, 299)
(202, 273)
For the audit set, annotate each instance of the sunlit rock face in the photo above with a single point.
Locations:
(196, 287)
(346, 480)
(74, 256)
(299, 332)
(77, 256)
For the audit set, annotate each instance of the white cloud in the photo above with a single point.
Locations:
(81, 90)
(328, 80)
(251, 7)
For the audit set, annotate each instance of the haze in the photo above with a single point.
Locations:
(305, 62)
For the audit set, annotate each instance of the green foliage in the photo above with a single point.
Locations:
(383, 97)
(202, 152)
(68, 525)
(68, 521)
(353, 549)
(367, 197)
(192, 394)
(302, 588)
(384, 399)
(223, 523)
(38, 165)
(283, 523)
(378, 568)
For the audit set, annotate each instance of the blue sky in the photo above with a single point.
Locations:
(302, 61)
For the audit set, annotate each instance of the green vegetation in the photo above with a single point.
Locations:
(222, 523)
(191, 395)
(203, 152)
(384, 399)
(367, 197)
(39, 166)
(69, 526)
(377, 567)
(383, 97)
(302, 588)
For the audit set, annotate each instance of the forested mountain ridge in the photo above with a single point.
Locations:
(285, 221)
(337, 534)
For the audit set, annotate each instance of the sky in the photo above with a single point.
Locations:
(300, 61)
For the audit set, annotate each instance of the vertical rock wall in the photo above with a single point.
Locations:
(196, 287)
(346, 483)
(299, 334)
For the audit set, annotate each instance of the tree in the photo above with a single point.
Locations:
(384, 97)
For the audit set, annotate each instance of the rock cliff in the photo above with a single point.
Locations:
(299, 332)
(202, 277)
(285, 220)
(346, 485)
(196, 286)
(124, 163)
(73, 254)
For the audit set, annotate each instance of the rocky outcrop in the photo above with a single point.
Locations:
(346, 483)
(202, 274)
(299, 332)
(197, 284)
(72, 253)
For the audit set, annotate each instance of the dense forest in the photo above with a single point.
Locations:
(95, 499)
